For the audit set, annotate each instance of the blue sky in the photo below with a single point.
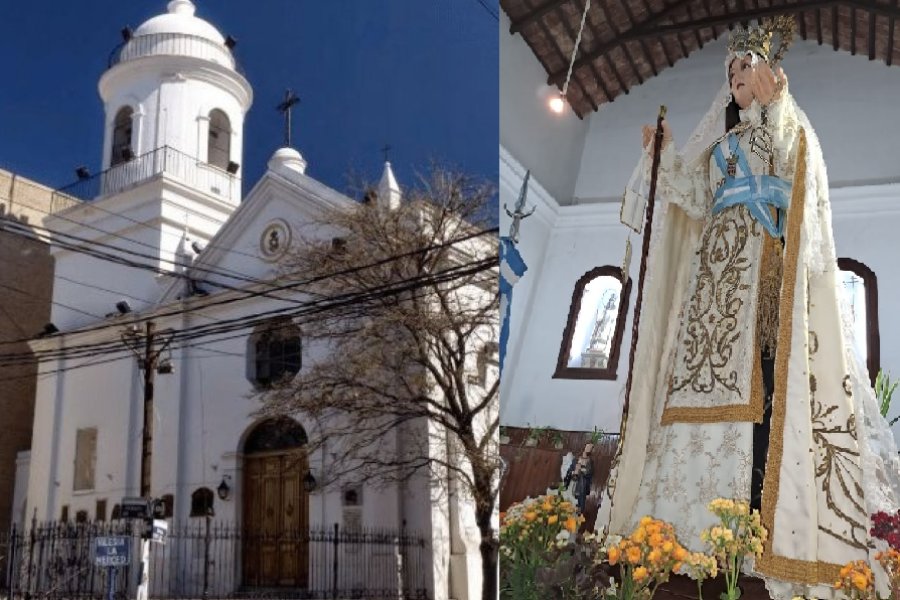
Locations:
(420, 75)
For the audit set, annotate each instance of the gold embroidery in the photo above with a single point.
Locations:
(838, 463)
(713, 313)
(770, 564)
(770, 272)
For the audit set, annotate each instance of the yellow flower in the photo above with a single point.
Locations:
(640, 574)
(639, 535)
(646, 520)
(656, 540)
(633, 554)
(860, 581)
(547, 506)
(612, 556)
(680, 553)
(668, 546)
(530, 516)
(552, 519)
(654, 556)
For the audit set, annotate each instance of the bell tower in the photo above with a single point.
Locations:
(174, 100)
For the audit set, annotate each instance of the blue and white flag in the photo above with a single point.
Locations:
(512, 267)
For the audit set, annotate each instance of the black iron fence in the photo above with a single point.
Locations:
(209, 559)
(165, 159)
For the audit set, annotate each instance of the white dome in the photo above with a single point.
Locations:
(286, 161)
(180, 19)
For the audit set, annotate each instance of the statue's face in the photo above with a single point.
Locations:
(740, 72)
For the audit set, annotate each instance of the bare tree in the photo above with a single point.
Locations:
(410, 385)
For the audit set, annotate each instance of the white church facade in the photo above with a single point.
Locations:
(169, 198)
(579, 168)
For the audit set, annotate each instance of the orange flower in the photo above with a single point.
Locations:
(547, 506)
(530, 516)
(656, 540)
(654, 557)
(668, 547)
(680, 554)
(640, 574)
(633, 554)
(571, 524)
(860, 581)
(552, 519)
(639, 535)
(612, 556)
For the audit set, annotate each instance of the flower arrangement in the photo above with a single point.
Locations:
(700, 567)
(890, 562)
(646, 559)
(739, 534)
(856, 581)
(887, 527)
(528, 531)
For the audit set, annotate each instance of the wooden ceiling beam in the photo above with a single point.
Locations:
(697, 35)
(890, 47)
(652, 17)
(616, 33)
(535, 14)
(642, 43)
(819, 25)
(872, 17)
(647, 30)
(834, 28)
(801, 18)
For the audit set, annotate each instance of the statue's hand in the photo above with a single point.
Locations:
(649, 131)
(765, 84)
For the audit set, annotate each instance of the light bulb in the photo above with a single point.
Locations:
(557, 104)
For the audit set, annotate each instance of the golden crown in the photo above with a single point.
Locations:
(758, 38)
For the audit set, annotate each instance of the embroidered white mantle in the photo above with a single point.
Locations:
(831, 460)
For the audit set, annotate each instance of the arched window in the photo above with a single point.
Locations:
(278, 433)
(859, 302)
(219, 144)
(274, 352)
(593, 334)
(121, 138)
(202, 502)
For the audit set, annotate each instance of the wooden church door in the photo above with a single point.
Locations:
(276, 507)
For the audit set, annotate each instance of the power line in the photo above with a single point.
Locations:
(309, 307)
(489, 10)
(181, 338)
(254, 294)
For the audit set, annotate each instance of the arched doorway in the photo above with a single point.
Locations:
(276, 507)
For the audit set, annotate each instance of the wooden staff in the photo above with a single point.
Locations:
(651, 198)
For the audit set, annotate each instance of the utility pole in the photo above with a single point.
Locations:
(148, 347)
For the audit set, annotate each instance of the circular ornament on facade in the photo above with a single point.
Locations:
(275, 240)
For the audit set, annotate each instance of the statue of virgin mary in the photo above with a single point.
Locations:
(745, 385)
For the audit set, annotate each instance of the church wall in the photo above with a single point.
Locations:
(548, 144)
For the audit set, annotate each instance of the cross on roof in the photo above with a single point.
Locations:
(385, 149)
(290, 99)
